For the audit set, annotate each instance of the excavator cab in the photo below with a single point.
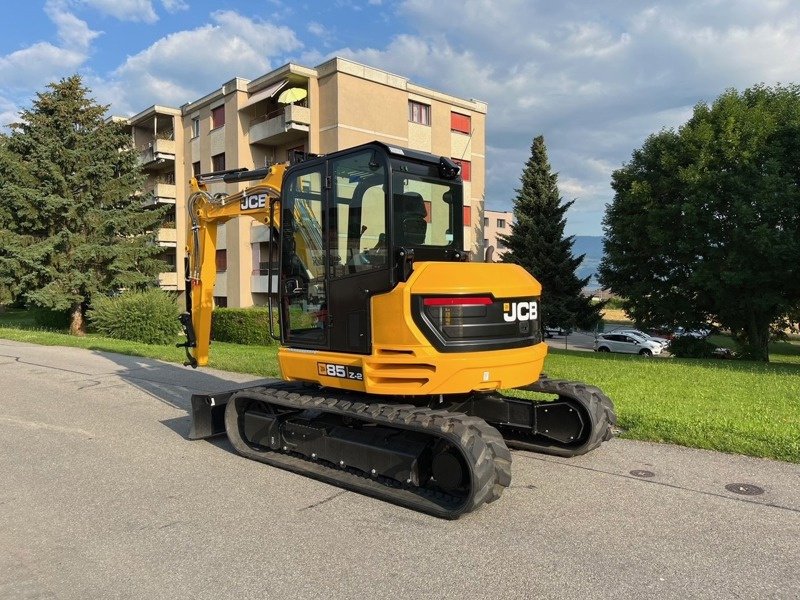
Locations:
(352, 224)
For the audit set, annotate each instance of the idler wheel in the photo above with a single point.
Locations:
(448, 470)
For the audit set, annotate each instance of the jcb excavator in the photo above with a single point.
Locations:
(394, 349)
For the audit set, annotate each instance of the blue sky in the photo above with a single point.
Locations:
(594, 77)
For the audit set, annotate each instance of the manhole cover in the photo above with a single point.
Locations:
(745, 489)
(640, 473)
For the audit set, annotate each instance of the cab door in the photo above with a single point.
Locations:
(303, 288)
(357, 264)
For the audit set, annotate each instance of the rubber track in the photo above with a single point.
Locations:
(598, 408)
(481, 444)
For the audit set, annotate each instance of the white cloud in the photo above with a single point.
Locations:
(126, 10)
(167, 71)
(594, 78)
(43, 62)
(173, 6)
(72, 31)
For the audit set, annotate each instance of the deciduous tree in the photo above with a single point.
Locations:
(705, 221)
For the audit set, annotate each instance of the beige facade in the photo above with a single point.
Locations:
(496, 223)
(242, 124)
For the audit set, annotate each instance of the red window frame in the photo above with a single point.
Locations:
(218, 162)
(466, 168)
(217, 116)
(221, 260)
(467, 216)
(460, 123)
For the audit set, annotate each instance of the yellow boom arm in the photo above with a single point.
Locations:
(206, 213)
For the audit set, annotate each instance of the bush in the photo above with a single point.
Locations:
(686, 346)
(242, 326)
(150, 317)
(50, 319)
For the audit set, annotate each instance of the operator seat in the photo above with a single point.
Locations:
(409, 218)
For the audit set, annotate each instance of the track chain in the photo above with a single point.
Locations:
(481, 444)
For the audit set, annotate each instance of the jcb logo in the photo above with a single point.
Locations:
(520, 311)
(253, 202)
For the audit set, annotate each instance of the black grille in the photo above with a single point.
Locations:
(493, 325)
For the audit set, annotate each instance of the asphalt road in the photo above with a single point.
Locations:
(103, 497)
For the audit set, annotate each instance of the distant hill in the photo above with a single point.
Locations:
(592, 247)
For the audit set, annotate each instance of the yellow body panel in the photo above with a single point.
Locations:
(403, 361)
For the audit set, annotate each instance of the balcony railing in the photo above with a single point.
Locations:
(158, 151)
(168, 280)
(265, 268)
(259, 284)
(167, 236)
(290, 122)
(164, 193)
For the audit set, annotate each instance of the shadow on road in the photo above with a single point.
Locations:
(174, 385)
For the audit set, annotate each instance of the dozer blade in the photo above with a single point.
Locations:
(434, 461)
(208, 414)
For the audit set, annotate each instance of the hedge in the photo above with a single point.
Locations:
(242, 326)
(150, 317)
(50, 319)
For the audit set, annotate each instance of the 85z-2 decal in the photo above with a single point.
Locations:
(341, 371)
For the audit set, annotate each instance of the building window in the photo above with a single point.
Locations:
(222, 261)
(221, 301)
(195, 126)
(501, 223)
(485, 242)
(467, 216)
(218, 162)
(460, 123)
(217, 117)
(419, 113)
(485, 221)
(500, 244)
(196, 168)
(466, 168)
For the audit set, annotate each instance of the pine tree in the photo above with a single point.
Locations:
(538, 244)
(71, 225)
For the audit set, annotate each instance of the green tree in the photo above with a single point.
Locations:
(538, 244)
(705, 221)
(71, 225)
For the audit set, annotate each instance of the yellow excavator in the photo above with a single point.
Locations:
(394, 349)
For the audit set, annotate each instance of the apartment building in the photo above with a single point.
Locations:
(340, 104)
(496, 223)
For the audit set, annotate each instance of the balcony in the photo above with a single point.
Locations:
(162, 193)
(288, 124)
(167, 237)
(157, 153)
(168, 281)
(259, 279)
(259, 284)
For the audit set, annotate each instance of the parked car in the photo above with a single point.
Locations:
(554, 331)
(659, 340)
(700, 334)
(627, 343)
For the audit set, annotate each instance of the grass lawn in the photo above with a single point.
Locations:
(732, 406)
